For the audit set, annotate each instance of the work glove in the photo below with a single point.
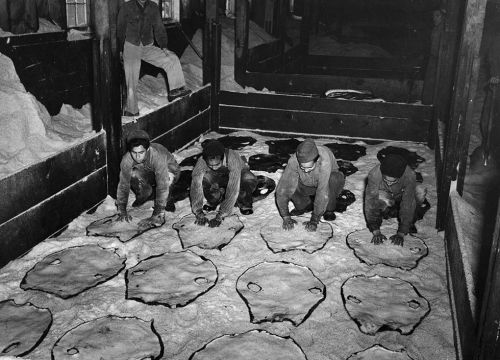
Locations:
(216, 221)
(288, 223)
(201, 219)
(398, 239)
(378, 238)
(312, 224)
(153, 220)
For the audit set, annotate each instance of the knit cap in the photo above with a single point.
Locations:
(393, 165)
(213, 148)
(137, 134)
(307, 151)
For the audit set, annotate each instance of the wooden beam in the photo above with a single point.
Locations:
(458, 131)
(305, 28)
(241, 29)
(211, 15)
(104, 14)
(216, 69)
(460, 291)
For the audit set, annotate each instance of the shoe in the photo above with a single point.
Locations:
(177, 93)
(207, 207)
(329, 216)
(297, 212)
(128, 113)
(246, 211)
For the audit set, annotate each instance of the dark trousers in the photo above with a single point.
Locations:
(143, 184)
(215, 185)
(304, 195)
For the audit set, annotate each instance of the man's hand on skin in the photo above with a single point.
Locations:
(398, 239)
(310, 225)
(124, 216)
(288, 223)
(201, 219)
(215, 222)
(378, 238)
(154, 220)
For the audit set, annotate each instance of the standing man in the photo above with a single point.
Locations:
(139, 24)
(311, 173)
(222, 177)
(150, 170)
(391, 189)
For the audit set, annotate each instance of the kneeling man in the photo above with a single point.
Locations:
(150, 170)
(312, 174)
(221, 176)
(391, 190)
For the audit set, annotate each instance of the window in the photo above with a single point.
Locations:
(77, 13)
(170, 9)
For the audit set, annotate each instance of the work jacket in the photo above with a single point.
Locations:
(402, 192)
(141, 25)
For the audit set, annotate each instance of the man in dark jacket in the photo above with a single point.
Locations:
(312, 172)
(149, 170)
(139, 24)
(222, 177)
(392, 187)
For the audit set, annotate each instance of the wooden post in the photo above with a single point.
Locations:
(281, 33)
(216, 64)
(488, 343)
(211, 14)
(458, 131)
(104, 16)
(305, 28)
(241, 28)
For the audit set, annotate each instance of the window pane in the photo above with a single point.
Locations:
(71, 14)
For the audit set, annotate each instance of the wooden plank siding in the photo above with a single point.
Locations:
(316, 116)
(26, 188)
(392, 90)
(174, 116)
(67, 199)
(387, 68)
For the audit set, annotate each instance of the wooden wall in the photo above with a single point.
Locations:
(289, 114)
(53, 69)
(46, 196)
(178, 123)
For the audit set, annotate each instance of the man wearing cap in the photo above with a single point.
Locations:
(139, 24)
(221, 176)
(150, 170)
(391, 186)
(312, 172)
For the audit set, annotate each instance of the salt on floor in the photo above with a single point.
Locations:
(328, 333)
